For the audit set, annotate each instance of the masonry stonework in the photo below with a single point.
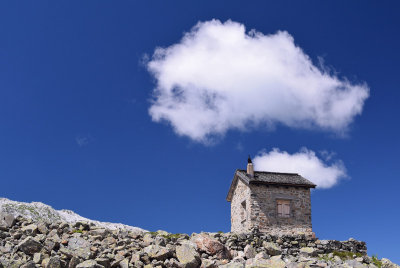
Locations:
(264, 214)
(240, 211)
(254, 203)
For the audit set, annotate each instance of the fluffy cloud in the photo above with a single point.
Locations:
(220, 77)
(305, 163)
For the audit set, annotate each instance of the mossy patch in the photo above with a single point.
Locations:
(346, 255)
(343, 255)
(376, 261)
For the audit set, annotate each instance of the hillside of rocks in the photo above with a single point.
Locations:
(28, 243)
(37, 211)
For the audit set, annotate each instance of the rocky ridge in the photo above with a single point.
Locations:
(38, 211)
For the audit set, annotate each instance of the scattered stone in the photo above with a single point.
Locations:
(30, 244)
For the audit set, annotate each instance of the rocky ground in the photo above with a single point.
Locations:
(28, 243)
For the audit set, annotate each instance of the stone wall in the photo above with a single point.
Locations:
(240, 211)
(263, 207)
(255, 207)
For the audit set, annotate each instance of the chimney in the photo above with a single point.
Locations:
(250, 168)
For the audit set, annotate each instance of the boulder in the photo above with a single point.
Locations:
(54, 262)
(103, 261)
(74, 262)
(211, 246)
(188, 256)
(30, 229)
(124, 263)
(42, 228)
(79, 247)
(308, 252)
(272, 248)
(7, 220)
(30, 246)
(157, 252)
(99, 231)
(37, 257)
(249, 252)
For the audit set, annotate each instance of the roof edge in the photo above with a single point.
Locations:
(284, 184)
(271, 172)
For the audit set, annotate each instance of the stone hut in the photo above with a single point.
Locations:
(270, 202)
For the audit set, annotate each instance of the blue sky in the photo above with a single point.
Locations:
(76, 131)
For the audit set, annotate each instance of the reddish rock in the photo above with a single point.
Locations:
(211, 246)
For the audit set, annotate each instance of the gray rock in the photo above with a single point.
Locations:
(37, 257)
(99, 231)
(272, 248)
(249, 252)
(188, 256)
(103, 261)
(148, 239)
(308, 252)
(29, 264)
(205, 263)
(42, 228)
(89, 264)
(7, 220)
(354, 263)
(273, 262)
(30, 246)
(157, 252)
(232, 265)
(386, 263)
(54, 262)
(79, 247)
(30, 229)
(124, 263)
(74, 262)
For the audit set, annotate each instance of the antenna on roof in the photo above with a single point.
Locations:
(249, 160)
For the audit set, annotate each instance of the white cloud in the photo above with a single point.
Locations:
(218, 77)
(305, 162)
